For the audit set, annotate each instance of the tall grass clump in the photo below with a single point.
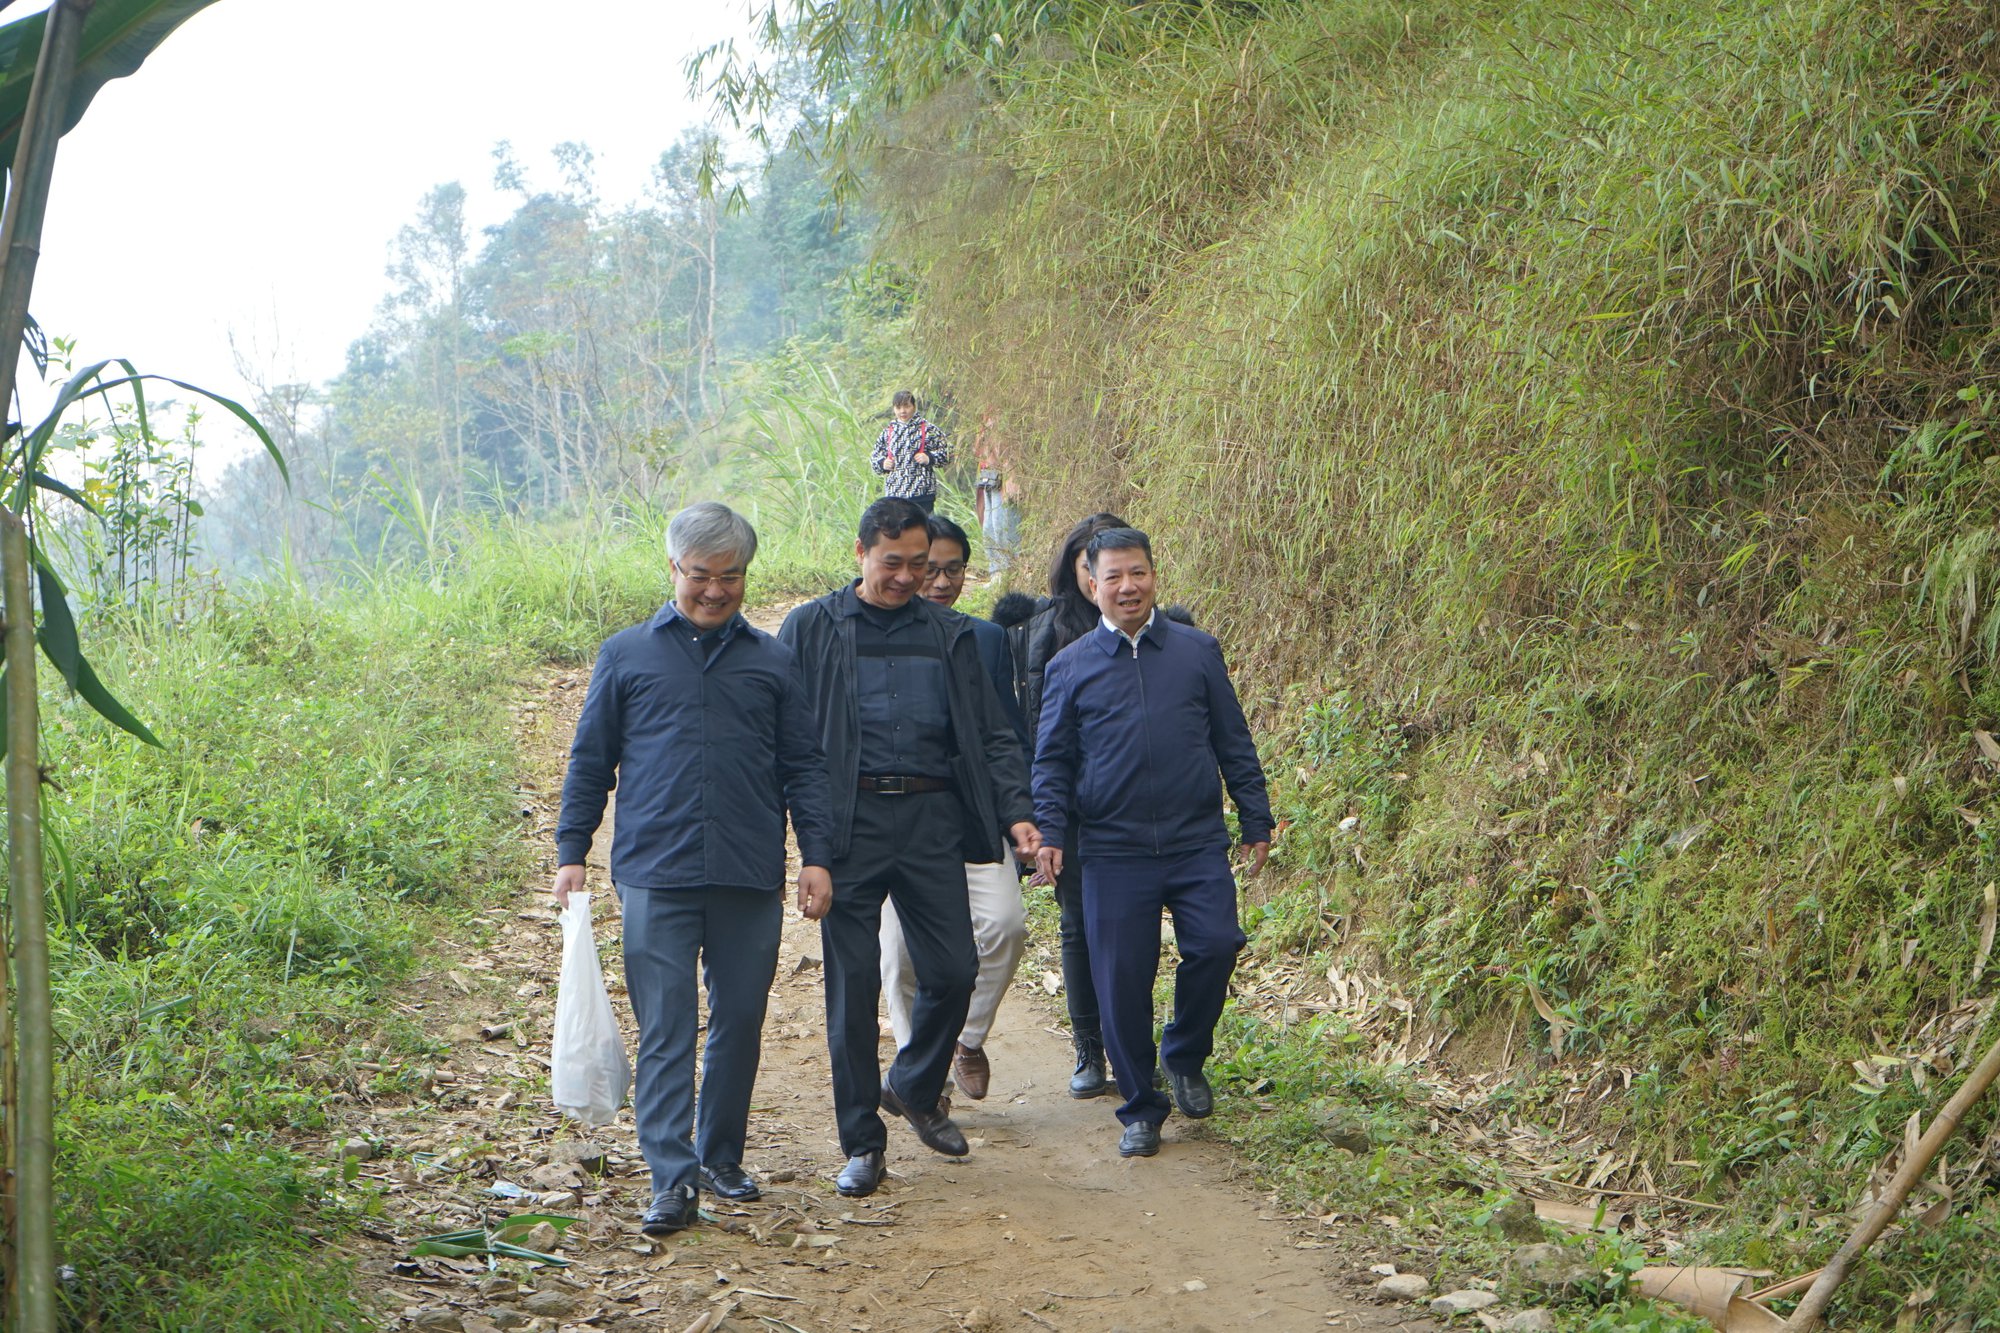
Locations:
(1574, 417)
(230, 912)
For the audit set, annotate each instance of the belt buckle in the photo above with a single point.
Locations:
(892, 786)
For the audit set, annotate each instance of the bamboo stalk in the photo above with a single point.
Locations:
(1806, 1317)
(34, 164)
(9, 1110)
(34, 1046)
(32, 1136)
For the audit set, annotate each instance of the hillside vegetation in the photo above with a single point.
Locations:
(1574, 418)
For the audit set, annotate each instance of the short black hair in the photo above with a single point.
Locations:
(1119, 539)
(943, 529)
(891, 516)
(903, 396)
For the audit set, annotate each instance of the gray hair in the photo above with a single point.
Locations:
(709, 528)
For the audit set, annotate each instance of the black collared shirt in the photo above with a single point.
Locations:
(710, 740)
(900, 692)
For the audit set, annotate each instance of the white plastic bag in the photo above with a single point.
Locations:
(588, 1072)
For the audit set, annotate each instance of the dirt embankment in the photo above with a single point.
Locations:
(1042, 1227)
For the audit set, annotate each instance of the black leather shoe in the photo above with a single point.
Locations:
(1140, 1139)
(933, 1127)
(1089, 1079)
(673, 1211)
(861, 1175)
(730, 1182)
(1191, 1093)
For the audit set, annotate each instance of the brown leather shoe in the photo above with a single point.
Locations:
(973, 1073)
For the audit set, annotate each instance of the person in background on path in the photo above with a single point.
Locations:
(995, 497)
(704, 725)
(1064, 616)
(909, 452)
(1138, 717)
(917, 747)
(993, 888)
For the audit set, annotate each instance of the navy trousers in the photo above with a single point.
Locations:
(1121, 905)
(905, 849)
(734, 934)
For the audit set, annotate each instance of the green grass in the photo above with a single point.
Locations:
(231, 913)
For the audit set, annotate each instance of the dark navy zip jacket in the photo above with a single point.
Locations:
(998, 657)
(1135, 741)
(707, 751)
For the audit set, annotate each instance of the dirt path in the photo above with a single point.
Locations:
(1042, 1227)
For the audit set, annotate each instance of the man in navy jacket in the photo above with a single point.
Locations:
(1138, 720)
(704, 725)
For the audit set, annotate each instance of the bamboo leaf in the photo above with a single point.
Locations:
(118, 35)
(88, 382)
(58, 629)
(93, 693)
(63, 488)
(240, 412)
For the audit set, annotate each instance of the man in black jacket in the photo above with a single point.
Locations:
(927, 774)
(1138, 722)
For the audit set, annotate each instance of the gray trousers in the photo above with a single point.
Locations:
(734, 934)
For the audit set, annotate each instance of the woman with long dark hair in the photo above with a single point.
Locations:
(1058, 620)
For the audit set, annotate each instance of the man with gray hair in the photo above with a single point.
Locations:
(704, 725)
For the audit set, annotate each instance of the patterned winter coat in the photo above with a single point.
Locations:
(895, 457)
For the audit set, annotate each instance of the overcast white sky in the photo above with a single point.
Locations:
(250, 176)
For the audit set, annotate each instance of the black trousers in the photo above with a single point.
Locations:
(905, 849)
(1079, 989)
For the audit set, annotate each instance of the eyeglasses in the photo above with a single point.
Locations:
(956, 570)
(726, 582)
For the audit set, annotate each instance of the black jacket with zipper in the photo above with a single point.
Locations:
(987, 763)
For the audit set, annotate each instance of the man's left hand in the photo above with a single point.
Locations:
(1027, 840)
(1260, 852)
(815, 892)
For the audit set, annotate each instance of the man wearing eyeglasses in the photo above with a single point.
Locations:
(704, 725)
(927, 775)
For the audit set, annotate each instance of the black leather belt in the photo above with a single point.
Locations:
(902, 786)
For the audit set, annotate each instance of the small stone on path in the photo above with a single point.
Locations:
(504, 1318)
(1194, 1284)
(1553, 1268)
(436, 1319)
(1537, 1320)
(1455, 1303)
(550, 1303)
(1405, 1286)
(588, 1156)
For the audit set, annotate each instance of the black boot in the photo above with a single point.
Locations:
(1089, 1080)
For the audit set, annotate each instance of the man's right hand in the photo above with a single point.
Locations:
(569, 879)
(815, 892)
(1048, 861)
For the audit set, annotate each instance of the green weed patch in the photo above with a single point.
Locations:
(231, 913)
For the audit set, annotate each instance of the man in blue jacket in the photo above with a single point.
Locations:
(1138, 718)
(704, 725)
